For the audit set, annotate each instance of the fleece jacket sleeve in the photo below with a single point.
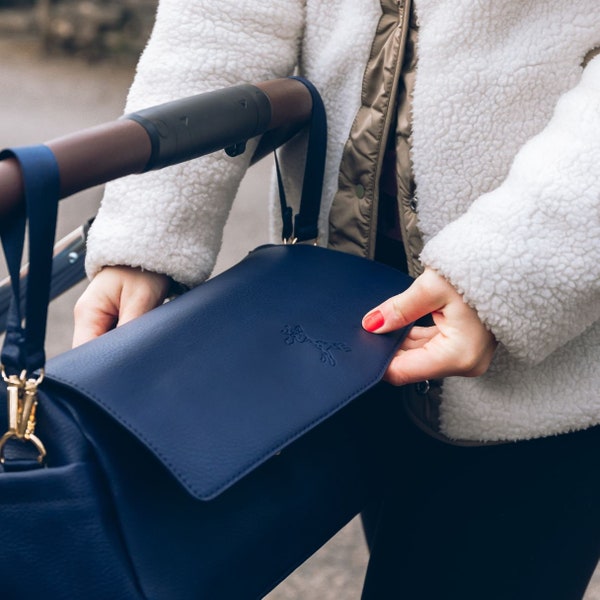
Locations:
(527, 254)
(171, 221)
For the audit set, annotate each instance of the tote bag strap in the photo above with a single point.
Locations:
(304, 226)
(23, 348)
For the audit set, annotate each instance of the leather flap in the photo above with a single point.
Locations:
(225, 376)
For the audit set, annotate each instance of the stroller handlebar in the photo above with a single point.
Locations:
(168, 134)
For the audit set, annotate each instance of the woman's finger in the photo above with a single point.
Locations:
(428, 293)
(115, 296)
(95, 313)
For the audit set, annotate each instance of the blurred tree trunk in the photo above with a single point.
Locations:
(44, 8)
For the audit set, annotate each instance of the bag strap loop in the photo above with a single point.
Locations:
(23, 348)
(305, 225)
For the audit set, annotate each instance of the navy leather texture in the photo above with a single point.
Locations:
(105, 519)
(222, 378)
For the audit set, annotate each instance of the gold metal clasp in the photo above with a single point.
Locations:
(22, 406)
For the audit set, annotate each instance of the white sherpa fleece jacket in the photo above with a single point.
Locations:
(506, 153)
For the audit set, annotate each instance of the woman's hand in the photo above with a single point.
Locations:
(458, 343)
(116, 295)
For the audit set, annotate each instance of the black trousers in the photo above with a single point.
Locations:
(517, 521)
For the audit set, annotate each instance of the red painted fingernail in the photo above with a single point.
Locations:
(373, 321)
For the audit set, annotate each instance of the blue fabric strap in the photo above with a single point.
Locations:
(24, 343)
(305, 225)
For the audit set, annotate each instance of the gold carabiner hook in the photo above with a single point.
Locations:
(22, 406)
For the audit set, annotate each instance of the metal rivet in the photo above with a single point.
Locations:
(413, 205)
(73, 256)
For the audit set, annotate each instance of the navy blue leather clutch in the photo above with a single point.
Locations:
(226, 376)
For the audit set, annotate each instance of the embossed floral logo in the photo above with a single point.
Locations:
(295, 334)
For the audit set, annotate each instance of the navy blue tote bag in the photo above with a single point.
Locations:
(204, 450)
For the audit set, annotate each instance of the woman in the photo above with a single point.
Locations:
(464, 146)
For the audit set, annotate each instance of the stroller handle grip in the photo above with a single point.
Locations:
(168, 134)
